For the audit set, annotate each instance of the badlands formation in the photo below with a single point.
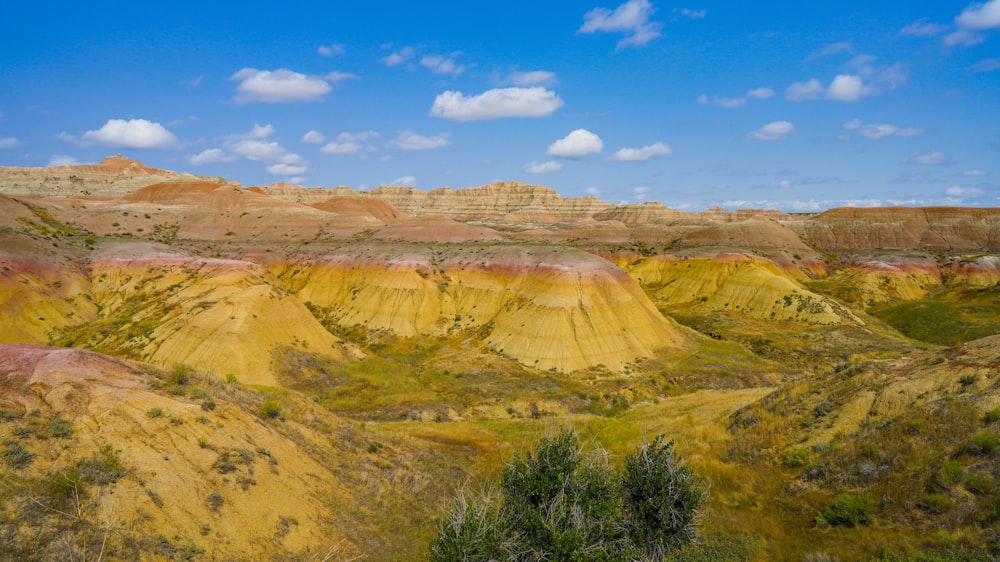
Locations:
(160, 313)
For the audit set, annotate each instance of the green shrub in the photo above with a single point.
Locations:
(270, 409)
(979, 484)
(935, 503)
(984, 443)
(951, 473)
(847, 510)
(992, 416)
(154, 412)
(59, 427)
(557, 503)
(796, 457)
(179, 375)
(17, 456)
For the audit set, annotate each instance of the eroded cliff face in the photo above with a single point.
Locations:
(738, 283)
(113, 176)
(549, 308)
(936, 228)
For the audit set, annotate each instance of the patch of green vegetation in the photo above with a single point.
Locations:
(847, 510)
(948, 317)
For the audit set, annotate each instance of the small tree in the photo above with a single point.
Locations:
(560, 504)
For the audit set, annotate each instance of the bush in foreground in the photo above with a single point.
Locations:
(558, 503)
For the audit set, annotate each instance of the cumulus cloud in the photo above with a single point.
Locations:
(531, 78)
(975, 173)
(846, 87)
(980, 16)
(973, 20)
(498, 103)
(734, 102)
(336, 148)
(134, 133)
(922, 28)
(286, 169)
(283, 85)
(9, 142)
(408, 140)
(630, 19)
(800, 91)
(928, 158)
(211, 156)
(776, 130)
(330, 50)
(879, 131)
(576, 144)
(350, 143)
(255, 146)
(313, 137)
(640, 154)
(62, 160)
(406, 181)
(542, 167)
(397, 58)
(442, 65)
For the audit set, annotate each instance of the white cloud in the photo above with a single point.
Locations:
(593, 191)
(878, 131)
(405, 181)
(833, 49)
(986, 65)
(576, 144)
(134, 133)
(408, 140)
(338, 76)
(929, 158)
(853, 124)
(532, 78)
(211, 156)
(910, 132)
(777, 130)
(330, 50)
(846, 87)
(286, 169)
(693, 14)
(9, 142)
(631, 19)
(399, 57)
(350, 143)
(498, 103)
(62, 160)
(975, 173)
(542, 167)
(640, 154)
(640, 193)
(728, 102)
(702, 99)
(760, 93)
(278, 86)
(313, 137)
(922, 28)
(956, 191)
(442, 65)
(800, 91)
(963, 37)
(980, 16)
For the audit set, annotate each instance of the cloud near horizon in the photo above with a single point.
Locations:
(408, 140)
(498, 103)
(134, 133)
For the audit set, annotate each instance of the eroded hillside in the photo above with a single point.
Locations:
(409, 338)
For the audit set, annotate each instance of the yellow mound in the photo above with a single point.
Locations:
(218, 315)
(557, 309)
(738, 283)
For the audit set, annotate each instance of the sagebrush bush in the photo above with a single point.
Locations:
(847, 510)
(935, 503)
(557, 503)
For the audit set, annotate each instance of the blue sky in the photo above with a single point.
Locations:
(799, 106)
